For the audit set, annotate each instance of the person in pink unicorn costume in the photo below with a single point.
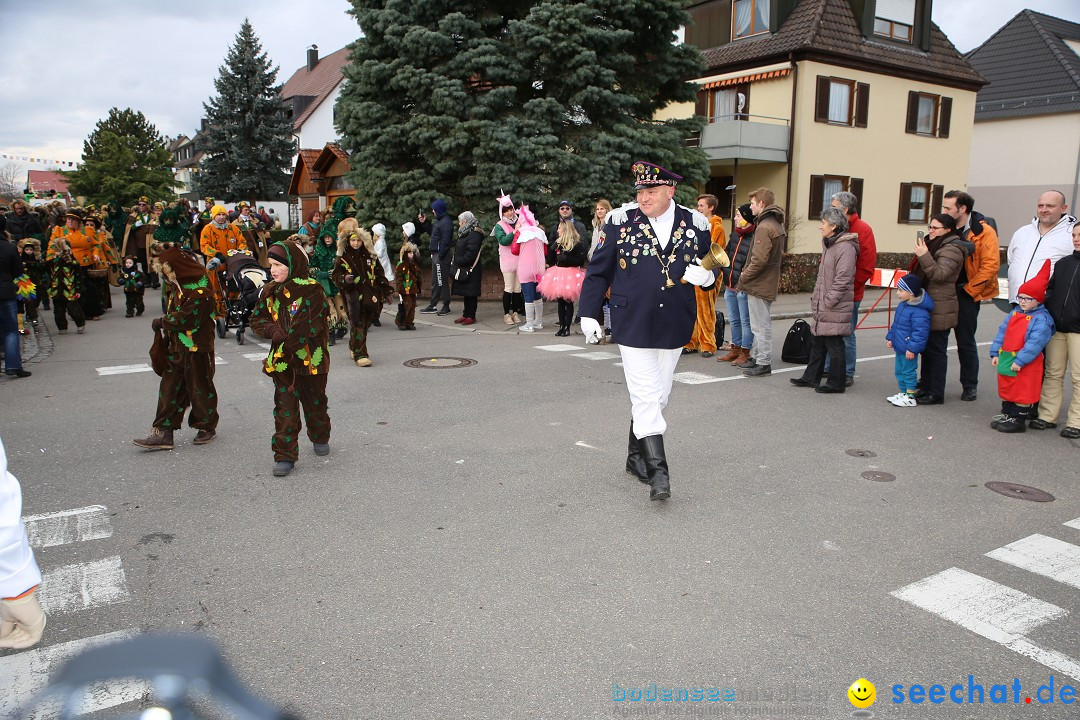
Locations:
(531, 243)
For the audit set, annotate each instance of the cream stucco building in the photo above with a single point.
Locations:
(811, 97)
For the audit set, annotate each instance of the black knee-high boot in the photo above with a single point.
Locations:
(518, 303)
(652, 450)
(564, 324)
(634, 464)
(507, 303)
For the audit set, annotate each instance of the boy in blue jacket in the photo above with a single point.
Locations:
(908, 335)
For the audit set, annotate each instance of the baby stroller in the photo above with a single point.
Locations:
(241, 279)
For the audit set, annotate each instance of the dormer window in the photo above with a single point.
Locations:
(895, 20)
(751, 17)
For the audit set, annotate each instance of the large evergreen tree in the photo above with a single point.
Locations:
(248, 141)
(123, 158)
(546, 100)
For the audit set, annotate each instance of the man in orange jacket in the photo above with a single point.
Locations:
(217, 240)
(977, 282)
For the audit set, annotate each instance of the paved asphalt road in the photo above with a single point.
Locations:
(473, 549)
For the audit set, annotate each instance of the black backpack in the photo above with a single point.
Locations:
(797, 344)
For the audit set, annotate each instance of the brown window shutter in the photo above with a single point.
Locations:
(904, 216)
(945, 117)
(702, 106)
(862, 104)
(821, 106)
(855, 187)
(938, 196)
(912, 112)
(817, 197)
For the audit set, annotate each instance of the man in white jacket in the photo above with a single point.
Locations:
(21, 618)
(1047, 237)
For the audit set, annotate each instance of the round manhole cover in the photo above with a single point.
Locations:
(440, 363)
(1020, 492)
(861, 453)
(878, 476)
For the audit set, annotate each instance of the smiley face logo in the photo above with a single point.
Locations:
(862, 693)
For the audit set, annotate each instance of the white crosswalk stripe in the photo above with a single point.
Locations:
(1001, 613)
(68, 526)
(67, 589)
(124, 369)
(82, 586)
(1043, 555)
(26, 674)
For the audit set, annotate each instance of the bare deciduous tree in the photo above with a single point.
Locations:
(12, 179)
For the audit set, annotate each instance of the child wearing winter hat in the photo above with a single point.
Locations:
(1017, 353)
(134, 283)
(908, 335)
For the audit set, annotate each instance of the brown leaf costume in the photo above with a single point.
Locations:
(409, 285)
(359, 277)
(293, 316)
(188, 327)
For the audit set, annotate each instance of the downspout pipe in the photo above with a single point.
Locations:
(791, 137)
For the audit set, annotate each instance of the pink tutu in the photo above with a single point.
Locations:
(562, 283)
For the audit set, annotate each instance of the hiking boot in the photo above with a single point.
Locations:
(158, 439)
(1012, 425)
(204, 436)
(759, 370)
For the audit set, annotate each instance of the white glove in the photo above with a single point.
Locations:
(214, 264)
(697, 275)
(591, 330)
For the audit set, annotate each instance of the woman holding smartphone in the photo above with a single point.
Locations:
(939, 258)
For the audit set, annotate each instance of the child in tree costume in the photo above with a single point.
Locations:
(34, 267)
(65, 286)
(359, 276)
(322, 261)
(134, 283)
(291, 314)
(188, 330)
(407, 273)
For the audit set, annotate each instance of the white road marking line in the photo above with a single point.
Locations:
(1073, 524)
(1043, 555)
(558, 348)
(694, 378)
(254, 356)
(580, 443)
(263, 344)
(124, 369)
(994, 611)
(218, 360)
(595, 355)
(84, 585)
(27, 673)
(68, 526)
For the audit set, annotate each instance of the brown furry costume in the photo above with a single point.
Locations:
(409, 284)
(359, 277)
(188, 328)
(292, 316)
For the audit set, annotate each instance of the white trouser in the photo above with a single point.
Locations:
(648, 375)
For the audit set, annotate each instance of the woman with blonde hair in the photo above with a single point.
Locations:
(562, 281)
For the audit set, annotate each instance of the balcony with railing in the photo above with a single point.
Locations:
(744, 137)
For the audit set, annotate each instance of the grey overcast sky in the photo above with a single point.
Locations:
(64, 63)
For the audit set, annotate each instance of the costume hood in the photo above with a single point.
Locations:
(292, 255)
(408, 247)
(177, 264)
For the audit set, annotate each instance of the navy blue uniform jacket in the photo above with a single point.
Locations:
(643, 313)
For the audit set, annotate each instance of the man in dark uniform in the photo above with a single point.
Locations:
(646, 249)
